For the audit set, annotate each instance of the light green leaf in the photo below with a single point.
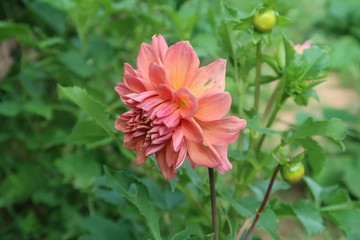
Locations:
(281, 20)
(309, 217)
(317, 191)
(254, 124)
(92, 107)
(22, 32)
(333, 128)
(87, 132)
(348, 221)
(137, 193)
(314, 152)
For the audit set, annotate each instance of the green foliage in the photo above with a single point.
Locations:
(58, 106)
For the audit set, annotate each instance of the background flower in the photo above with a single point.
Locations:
(177, 108)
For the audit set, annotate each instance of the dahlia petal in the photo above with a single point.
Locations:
(167, 172)
(210, 77)
(162, 139)
(225, 163)
(145, 57)
(122, 89)
(154, 148)
(166, 92)
(140, 153)
(121, 123)
(142, 96)
(129, 70)
(136, 84)
(157, 75)
(187, 102)
(150, 103)
(223, 131)
(213, 105)
(171, 156)
(181, 156)
(172, 120)
(181, 63)
(202, 155)
(178, 139)
(160, 46)
(192, 131)
(165, 110)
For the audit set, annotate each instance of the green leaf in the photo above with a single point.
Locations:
(22, 32)
(254, 124)
(314, 152)
(317, 191)
(76, 63)
(80, 170)
(185, 234)
(92, 107)
(348, 221)
(87, 132)
(136, 193)
(102, 228)
(39, 108)
(309, 217)
(9, 108)
(281, 20)
(333, 128)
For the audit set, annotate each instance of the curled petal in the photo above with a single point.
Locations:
(122, 89)
(187, 102)
(181, 63)
(166, 92)
(192, 131)
(223, 131)
(225, 163)
(203, 155)
(157, 75)
(160, 46)
(213, 105)
(210, 77)
(136, 84)
(167, 172)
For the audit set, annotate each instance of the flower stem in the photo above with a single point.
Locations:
(215, 222)
(258, 76)
(263, 204)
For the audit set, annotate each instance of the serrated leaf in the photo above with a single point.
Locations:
(333, 128)
(87, 132)
(315, 153)
(232, 11)
(317, 191)
(309, 217)
(136, 193)
(92, 107)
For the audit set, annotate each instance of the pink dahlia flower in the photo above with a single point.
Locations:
(299, 48)
(177, 109)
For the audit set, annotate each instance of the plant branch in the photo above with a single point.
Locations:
(263, 204)
(258, 76)
(243, 227)
(215, 222)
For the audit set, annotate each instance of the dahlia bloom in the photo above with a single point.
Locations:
(299, 48)
(176, 108)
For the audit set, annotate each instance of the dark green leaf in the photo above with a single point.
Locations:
(315, 153)
(135, 192)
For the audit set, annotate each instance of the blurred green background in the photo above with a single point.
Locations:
(52, 183)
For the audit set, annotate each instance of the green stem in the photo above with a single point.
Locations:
(215, 222)
(263, 204)
(258, 77)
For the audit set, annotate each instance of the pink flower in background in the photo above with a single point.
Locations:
(176, 108)
(299, 48)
